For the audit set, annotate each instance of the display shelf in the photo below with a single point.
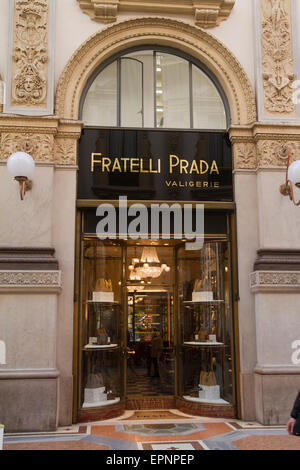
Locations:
(203, 343)
(220, 401)
(102, 303)
(192, 302)
(95, 347)
(101, 403)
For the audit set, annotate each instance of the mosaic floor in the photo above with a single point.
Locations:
(158, 430)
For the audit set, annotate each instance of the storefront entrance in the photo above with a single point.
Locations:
(155, 324)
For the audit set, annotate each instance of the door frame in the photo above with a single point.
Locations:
(78, 290)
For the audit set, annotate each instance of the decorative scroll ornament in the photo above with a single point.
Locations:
(65, 151)
(277, 56)
(274, 280)
(40, 146)
(30, 280)
(206, 14)
(275, 153)
(30, 53)
(245, 156)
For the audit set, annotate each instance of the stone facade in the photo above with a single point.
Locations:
(50, 128)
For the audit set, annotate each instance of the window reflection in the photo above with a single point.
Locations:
(153, 89)
(100, 106)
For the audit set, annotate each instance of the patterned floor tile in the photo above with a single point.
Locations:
(237, 439)
(163, 446)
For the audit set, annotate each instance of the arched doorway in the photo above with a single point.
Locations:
(70, 108)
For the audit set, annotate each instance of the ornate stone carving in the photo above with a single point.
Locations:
(245, 156)
(65, 151)
(275, 153)
(275, 280)
(39, 146)
(277, 57)
(30, 54)
(30, 280)
(207, 14)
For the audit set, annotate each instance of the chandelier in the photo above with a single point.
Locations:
(148, 267)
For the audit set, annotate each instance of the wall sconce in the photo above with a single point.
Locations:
(21, 166)
(292, 178)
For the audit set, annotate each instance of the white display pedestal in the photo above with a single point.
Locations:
(101, 403)
(209, 392)
(1, 436)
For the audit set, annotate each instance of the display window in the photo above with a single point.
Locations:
(155, 321)
(204, 290)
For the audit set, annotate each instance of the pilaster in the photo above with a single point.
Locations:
(30, 58)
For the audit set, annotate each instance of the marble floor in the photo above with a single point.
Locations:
(158, 430)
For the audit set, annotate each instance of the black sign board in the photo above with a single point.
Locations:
(155, 165)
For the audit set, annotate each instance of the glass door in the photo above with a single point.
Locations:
(150, 321)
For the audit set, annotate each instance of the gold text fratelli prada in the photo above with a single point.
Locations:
(150, 165)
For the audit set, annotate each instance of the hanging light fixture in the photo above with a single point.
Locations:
(149, 266)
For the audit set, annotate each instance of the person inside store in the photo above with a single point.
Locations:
(293, 424)
(156, 351)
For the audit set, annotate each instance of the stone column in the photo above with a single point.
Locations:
(29, 283)
(245, 183)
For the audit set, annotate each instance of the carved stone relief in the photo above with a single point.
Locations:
(274, 280)
(277, 57)
(65, 150)
(39, 146)
(245, 155)
(30, 54)
(30, 280)
(206, 14)
(275, 153)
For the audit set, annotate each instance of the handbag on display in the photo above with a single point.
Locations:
(208, 378)
(102, 337)
(95, 381)
(103, 285)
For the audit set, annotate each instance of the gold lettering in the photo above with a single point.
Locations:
(125, 160)
(173, 165)
(183, 166)
(194, 167)
(203, 162)
(134, 162)
(205, 184)
(117, 166)
(214, 168)
(151, 167)
(142, 167)
(93, 160)
(106, 162)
